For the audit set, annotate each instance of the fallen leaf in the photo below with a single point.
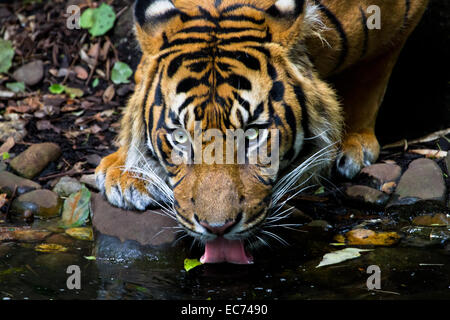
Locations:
(7, 145)
(76, 209)
(369, 237)
(430, 153)
(109, 93)
(83, 233)
(191, 263)
(50, 248)
(340, 256)
(81, 73)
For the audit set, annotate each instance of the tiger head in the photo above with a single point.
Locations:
(223, 66)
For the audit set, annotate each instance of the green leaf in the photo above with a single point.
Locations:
(73, 92)
(95, 83)
(5, 156)
(56, 88)
(191, 263)
(120, 73)
(76, 209)
(16, 86)
(90, 257)
(99, 21)
(320, 190)
(87, 18)
(6, 55)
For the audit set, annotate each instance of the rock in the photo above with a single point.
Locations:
(60, 239)
(367, 195)
(147, 228)
(43, 203)
(8, 181)
(422, 185)
(93, 159)
(422, 236)
(66, 186)
(82, 233)
(13, 128)
(22, 234)
(3, 166)
(89, 180)
(438, 219)
(30, 73)
(320, 224)
(33, 160)
(381, 173)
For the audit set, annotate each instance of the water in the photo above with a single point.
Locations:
(411, 270)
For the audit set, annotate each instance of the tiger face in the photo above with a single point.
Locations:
(224, 66)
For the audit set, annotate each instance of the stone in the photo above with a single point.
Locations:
(30, 73)
(3, 166)
(8, 181)
(33, 160)
(89, 181)
(60, 239)
(66, 186)
(148, 228)
(367, 195)
(381, 173)
(438, 219)
(25, 234)
(422, 184)
(42, 203)
(13, 128)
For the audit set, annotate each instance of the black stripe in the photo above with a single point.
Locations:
(247, 59)
(366, 32)
(344, 41)
(407, 8)
(290, 119)
(254, 217)
(187, 84)
(243, 18)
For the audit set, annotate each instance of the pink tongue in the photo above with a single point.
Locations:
(224, 250)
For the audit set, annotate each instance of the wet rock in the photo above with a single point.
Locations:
(55, 262)
(25, 234)
(42, 203)
(60, 239)
(89, 180)
(438, 219)
(320, 224)
(421, 236)
(14, 127)
(30, 73)
(422, 185)
(367, 195)
(147, 228)
(381, 173)
(33, 160)
(8, 181)
(66, 186)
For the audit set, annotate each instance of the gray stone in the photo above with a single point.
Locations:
(422, 184)
(150, 228)
(42, 203)
(3, 166)
(30, 73)
(367, 195)
(89, 180)
(33, 160)
(66, 186)
(8, 181)
(13, 128)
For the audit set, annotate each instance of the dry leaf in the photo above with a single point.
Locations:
(369, 237)
(81, 73)
(7, 145)
(109, 93)
(3, 199)
(340, 256)
(430, 153)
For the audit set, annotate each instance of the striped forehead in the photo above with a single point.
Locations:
(209, 62)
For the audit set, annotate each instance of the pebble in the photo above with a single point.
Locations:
(66, 186)
(30, 73)
(8, 181)
(33, 160)
(42, 203)
(89, 180)
(367, 195)
(438, 219)
(3, 166)
(13, 128)
(422, 183)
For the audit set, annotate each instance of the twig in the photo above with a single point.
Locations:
(427, 138)
(67, 173)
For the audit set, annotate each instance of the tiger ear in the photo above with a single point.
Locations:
(152, 18)
(285, 18)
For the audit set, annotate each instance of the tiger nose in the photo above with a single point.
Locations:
(220, 229)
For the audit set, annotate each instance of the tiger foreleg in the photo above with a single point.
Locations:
(129, 187)
(362, 89)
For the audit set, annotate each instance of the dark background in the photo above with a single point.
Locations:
(417, 100)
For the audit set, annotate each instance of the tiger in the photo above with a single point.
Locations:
(315, 71)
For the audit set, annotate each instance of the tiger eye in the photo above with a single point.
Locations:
(180, 136)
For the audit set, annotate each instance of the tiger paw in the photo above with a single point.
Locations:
(122, 188)
(358, 150)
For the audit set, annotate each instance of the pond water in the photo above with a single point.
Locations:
(416, 268)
